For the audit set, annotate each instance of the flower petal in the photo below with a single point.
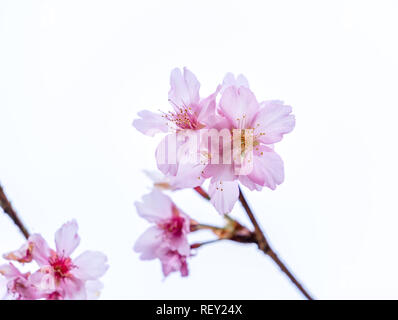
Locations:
(40, 249)
(207, 113)
(273, 120)
(44, 280)
(166, 154)
(93, 289)
(73, 289)
(3, 287)
(249, 184)
(184, 89)
(155, 206)
(22, 255)
(180, 244)
(188, 176)
(239, 106)
(222, 172)
(9, 271)
(223, 195)
(231, 81)
(66, 238)
(150, 123)
(173, 261)
(148, 243)
(267, 168)
(90, 265)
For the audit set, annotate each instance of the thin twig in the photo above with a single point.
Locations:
(259, 238)
(202, 192)
(9, 210)
(201, 244)
(266, 248)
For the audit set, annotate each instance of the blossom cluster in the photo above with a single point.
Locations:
(58, 277)
(249, 129)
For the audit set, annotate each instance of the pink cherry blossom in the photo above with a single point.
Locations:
(167, 239)
(254, 128)
(18, 285)
(173, 261)
(189, 113)
(266, 123)
(59, 276)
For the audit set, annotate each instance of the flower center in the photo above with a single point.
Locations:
(184, 118)
(174, 226)
(61, 266)
(243, 142)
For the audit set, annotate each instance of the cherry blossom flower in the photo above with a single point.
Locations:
(167, 239)
(17, 285)
(255, 128)
(189, 113)
(59, 276)
(189, 110)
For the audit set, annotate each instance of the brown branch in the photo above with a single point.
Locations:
(202, 192)
(264, 246)
(259, 238)
(9, 210)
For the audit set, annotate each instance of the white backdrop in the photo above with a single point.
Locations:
(73, 74)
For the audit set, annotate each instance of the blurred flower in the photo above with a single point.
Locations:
(167, 239)
(59, 276)
(17, 285)
(22, 255)
(173, 261)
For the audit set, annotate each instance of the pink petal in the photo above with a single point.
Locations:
(66, 238)
(44, 280)
(188, 176)
(249, 184)
(93, 289)
(148, 243)
(90, 265)
(150, 123)
(41, 251)
(267, 168)
(223, 195)
(223, 172)
(207, 113)
(184, 89)
(172, 261)
(9, 271)
(180, 244)
(3, 287)
(73, 289)
(166, 154)
(239, 106)
(18, 286)
(231, 81)
(22, 255)
(155, 207)
(274, 120)
(177, 148)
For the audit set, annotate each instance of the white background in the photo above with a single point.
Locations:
(73, 75)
